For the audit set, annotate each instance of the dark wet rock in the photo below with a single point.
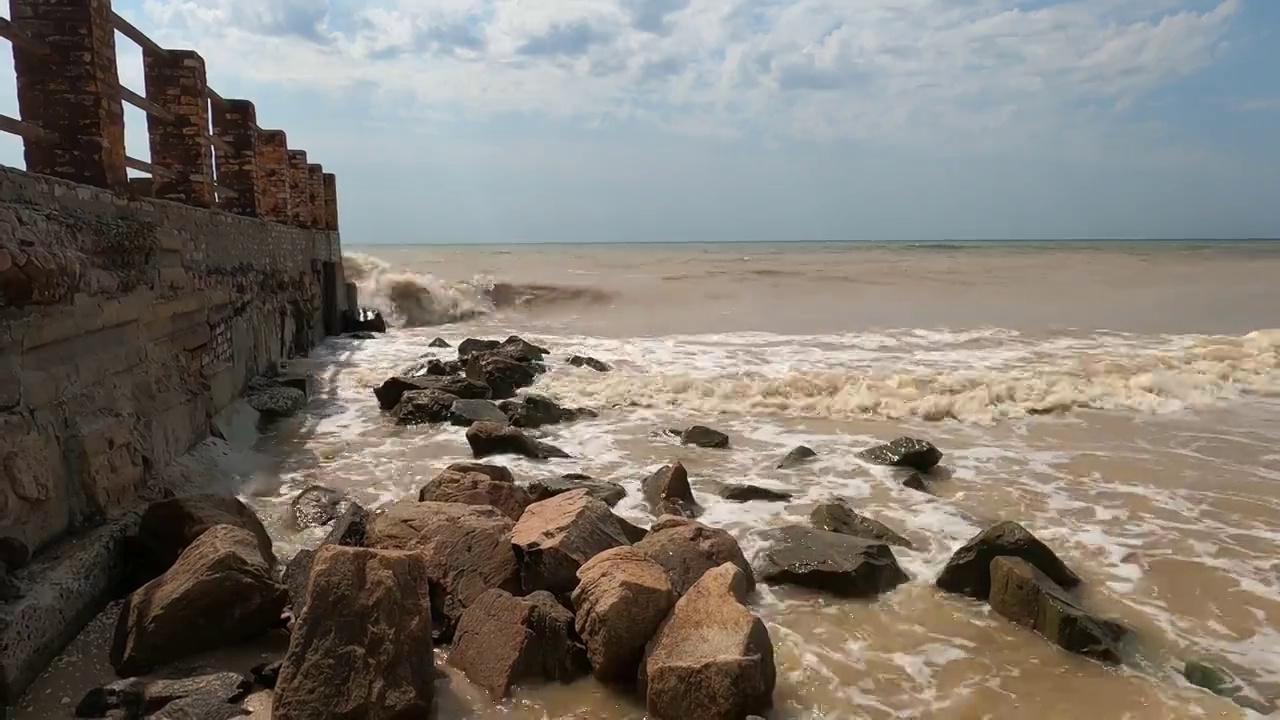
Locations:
(1029, 598)
(467, 549)
(749, 493)
(137, 697)
(497, 473)
(915, 481)
(907, 452)
(169, 526)
(588, 362)
(839, 518)
(477, 488)
(277, 402)
(503, 375)
(466, 413)
(534, 411)
(420, 407)
(633, 532)
(14, 554)
(432, 368)
(362, 645)
(317, 505)
(219, 591)
(10, 590)
(504, 640)
(704, 437)
(517, 348)
(487, 439)
(969, 570)
(360, 335)
(668, 491)
(1206, 674)
(621, 599)
(471, 346)
(439, 343)
(1259, 705)
(555, 537)
(390, 391)
(798, 456)
(711, 659)
(267, 674)
(610, 493)
(366, 320)
(348, 530)
(829, 562)
(686, 549)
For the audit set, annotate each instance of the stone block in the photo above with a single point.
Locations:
(33, 503)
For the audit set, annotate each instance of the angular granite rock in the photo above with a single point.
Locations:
(534, 411)
(503, 375)
(390, 392)
(829, 562)
(968, 572)
(798, 456)
(752, 493)
(587, 361)
(609, 493)
(667, 491)
(704, 437)
(473, 488)
(919, 455)
(317, 505)
(839, 518)
(348, 530)
(169, 526)
(465, 413)
(621, 599)
(687, 549)
(422, 407)
(137, 697)
(487, 439)
(555, 537)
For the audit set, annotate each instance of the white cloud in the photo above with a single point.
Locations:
(908, 71)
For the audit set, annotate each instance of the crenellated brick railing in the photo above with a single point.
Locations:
(206, 150)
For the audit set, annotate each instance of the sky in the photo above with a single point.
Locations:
(715, 120)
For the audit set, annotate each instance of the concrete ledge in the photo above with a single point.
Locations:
(63, 590)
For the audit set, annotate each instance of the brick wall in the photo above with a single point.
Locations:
(125, 325)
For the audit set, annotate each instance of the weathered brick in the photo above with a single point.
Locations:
(181, 145)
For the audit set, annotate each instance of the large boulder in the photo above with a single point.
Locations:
(390, 391)
(497, 473)
(348, 530)
(517, 348)
(219, 591)
(839, 518)
(466, 413)
(586, 361)
(420, 407)
(504, 640)
(216, 695)
(317, 505)
(799, 455)
(502, 374)
(968, 572)
(919, 455)
(711, 659)
(471, 346)
(534, 411)
(668, 492)
(439, 342)
(751, 493)
(467, 549)
(1030, 598)
(361, 647)
(487, 439)
(704, 437)
(687, 549)
(829, 562)
(555, 537)
(474, 488)
(608, 492)
(432, 366)
(621, 599)
(169, 526)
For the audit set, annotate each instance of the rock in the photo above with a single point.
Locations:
(452, 486)
(317, 505)
(839, 518)
(465, 413)
(360, 335)
(838, 564)
(588, 362)
(686, 549)
(14, 553)
(10, 590)
(419, 407)
(505, 640)
(471, 346)
(432, 368)
(497, 473)
(555, 537)
(1029, 598)
(169, 526)
(1257, 704)
(968, 572)
(607, 492)
(136, 698)
(267, 674)
(486, 439)
(668, 489)
(704, 437)
(517, 348)
(634, 533)
(748, 493)
(798, 456)
(916, 482)
(277, 402)
(348, 530)
(712, 659)
(534, 411)
(219, 591)
(366, 320)
(439, 343)
(390, 391)
(919, 455)
(361, 647)
(1202, 673)
(621, 599)
(467, 549)
(503, 375)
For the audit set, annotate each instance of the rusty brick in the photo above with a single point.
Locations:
(235, 123)
(299, 190)
(176, 82)
(72, 98)
(273, 176)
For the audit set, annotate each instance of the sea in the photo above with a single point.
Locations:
(1121, 399)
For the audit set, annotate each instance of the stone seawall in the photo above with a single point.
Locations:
(125, 326)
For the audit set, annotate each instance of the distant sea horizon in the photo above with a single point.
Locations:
(929, 242)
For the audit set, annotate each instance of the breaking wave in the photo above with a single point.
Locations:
(412, 299)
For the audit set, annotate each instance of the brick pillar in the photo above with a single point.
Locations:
(176, 82)
(331, 202)
(299, 190)
(71, 94)
(273, 176)
(235, 123)
(315, 186)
